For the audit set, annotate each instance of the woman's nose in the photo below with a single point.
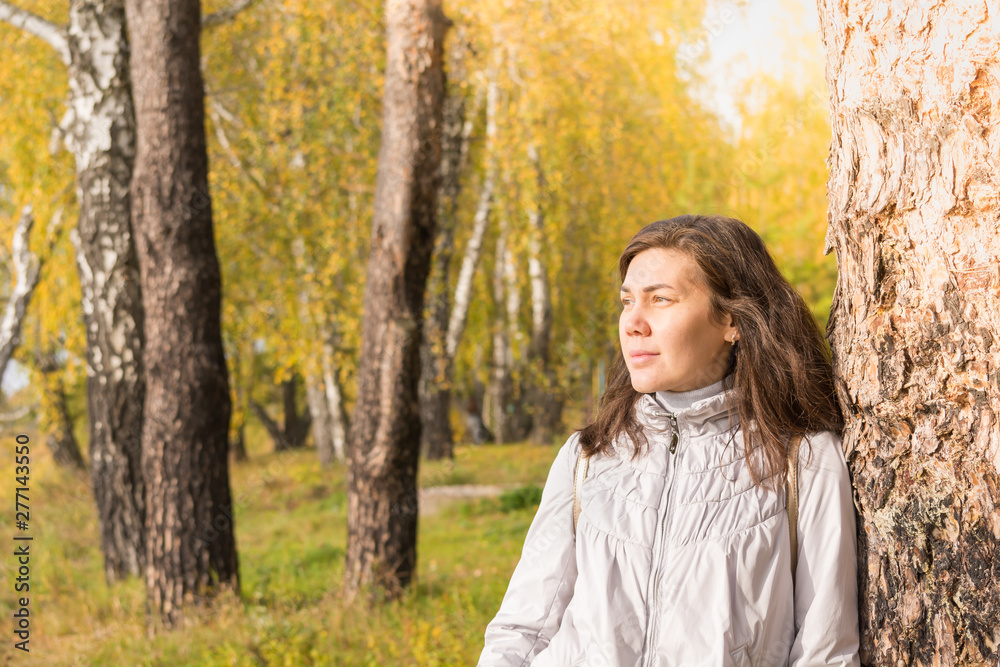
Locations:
(634, 322)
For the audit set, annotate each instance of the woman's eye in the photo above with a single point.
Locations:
(660, 298)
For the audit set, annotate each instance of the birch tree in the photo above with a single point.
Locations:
(437, 439)
(385, 428)
(98, 129)
(24, 265)
(914, 194)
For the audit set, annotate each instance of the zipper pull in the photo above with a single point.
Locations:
(673, 433)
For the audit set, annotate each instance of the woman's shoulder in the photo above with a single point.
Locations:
(821, 451)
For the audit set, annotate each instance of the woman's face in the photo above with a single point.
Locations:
(668, 336)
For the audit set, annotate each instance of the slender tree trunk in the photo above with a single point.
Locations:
(60, 440)
(191, 551)
(238, 445)
(296, 427)
(462, 300)
(273, 429)
(545, 404)
(502, 390)
(435, 376)
(480, 223)
(914, 190)
(339, 421)
(320, 411)
(385, 429)
(24, 266)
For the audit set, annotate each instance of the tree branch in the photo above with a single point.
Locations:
(35, 25)
(277, 435)
(25, 267)
(223, 15)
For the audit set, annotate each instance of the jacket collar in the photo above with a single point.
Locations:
(694, 408)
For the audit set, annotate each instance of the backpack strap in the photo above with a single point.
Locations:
(792, 495)
(579, 474)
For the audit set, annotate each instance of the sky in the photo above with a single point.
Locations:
(741, 38)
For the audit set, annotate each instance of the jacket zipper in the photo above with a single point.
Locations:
(651, 605)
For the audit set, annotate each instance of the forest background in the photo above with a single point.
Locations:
(583, 122)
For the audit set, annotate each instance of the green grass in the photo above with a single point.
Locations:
(290, 517)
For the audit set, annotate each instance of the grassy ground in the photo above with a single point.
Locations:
(291, 532)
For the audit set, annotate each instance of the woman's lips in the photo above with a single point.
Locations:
(642, 356)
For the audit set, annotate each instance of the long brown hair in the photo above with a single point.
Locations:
(780, 368)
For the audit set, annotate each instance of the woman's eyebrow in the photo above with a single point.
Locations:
(648, 288)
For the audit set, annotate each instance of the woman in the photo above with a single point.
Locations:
(682, 553)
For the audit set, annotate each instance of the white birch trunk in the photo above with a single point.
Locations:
(546, 407)
(339, 424)
(473, 249)
(99, 130)
(437, 439)
(914, 195)
(25, 269)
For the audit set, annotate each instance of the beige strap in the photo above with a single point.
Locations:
(579, 474)
(792, 492)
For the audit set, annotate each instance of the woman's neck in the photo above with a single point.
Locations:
(681, 400)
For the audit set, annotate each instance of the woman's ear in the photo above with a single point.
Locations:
(732, 333)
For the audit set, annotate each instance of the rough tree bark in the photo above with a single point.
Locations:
(99, 130)
(914, 196)
(437, 440)
(385, 429)
(191, 551)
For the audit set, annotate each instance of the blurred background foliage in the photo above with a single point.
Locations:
(612, 96)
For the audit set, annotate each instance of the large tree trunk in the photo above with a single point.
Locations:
(437, 440)
(914, 190)
(99, 130)
(191, 551)
(385, 429)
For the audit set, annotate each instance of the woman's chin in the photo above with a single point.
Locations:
(644, 386)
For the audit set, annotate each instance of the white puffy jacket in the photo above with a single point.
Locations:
(679, 559)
